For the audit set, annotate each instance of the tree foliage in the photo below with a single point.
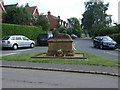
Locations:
(76, 27)
(95, 16)
(16, 15)
(42, 21)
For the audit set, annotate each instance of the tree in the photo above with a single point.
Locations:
(95, 16)
(42, 21)
(87, 22)
(61, 29)
(76, 27)
(16, 15)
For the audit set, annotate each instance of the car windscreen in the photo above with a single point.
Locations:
(107, 38)
(6, 38)
(43, 36)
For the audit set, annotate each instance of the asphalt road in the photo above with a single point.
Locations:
(6, 52)
(86, 45)
(21, 78)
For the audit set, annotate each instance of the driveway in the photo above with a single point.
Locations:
(86, 45)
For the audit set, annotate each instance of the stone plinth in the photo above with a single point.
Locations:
(56, 44)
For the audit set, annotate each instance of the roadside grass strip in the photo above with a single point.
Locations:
(92, 60)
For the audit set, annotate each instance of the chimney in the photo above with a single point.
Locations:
(49, 13)
(61, 22)
(59, 17)
(64, 23)
(27, 5)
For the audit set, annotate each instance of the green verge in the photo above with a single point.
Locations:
(92, 60)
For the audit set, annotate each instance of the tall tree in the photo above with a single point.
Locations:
(76, 27)
(16, 15)
(41, 20)
(95, 16)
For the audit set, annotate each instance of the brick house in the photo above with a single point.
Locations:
(2, 9)
(53, 20)
(7, 6)
(33, 10)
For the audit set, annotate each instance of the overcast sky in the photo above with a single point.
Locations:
(65, 8)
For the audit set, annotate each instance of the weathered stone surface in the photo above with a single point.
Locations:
(65, 45)
(76, 56)
(60, 41)
(57, 35)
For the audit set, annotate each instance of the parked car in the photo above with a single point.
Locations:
(73, 36)
(42, 39)
(16, 41)
(103, 42)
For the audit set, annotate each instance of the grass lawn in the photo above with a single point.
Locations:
(92, 60)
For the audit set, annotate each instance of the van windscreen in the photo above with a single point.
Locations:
(43, 36)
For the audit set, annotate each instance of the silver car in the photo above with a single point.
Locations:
(16, 41)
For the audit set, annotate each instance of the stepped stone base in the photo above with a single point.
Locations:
(76, 56)
(56, 44)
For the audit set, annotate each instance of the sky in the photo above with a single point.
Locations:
(66, 8)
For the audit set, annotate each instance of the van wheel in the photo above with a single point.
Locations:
(31, 45)
(15, 47)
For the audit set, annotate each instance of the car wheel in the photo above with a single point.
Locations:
(101, 47)
(94, 45)
(15, 46)
(31, 45)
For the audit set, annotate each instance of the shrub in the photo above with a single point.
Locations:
(28, 31)
(61, 29)
(64, 32)
(105, 31)
(69, 31)
(116, 37)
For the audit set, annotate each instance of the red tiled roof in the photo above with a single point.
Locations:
(7, 6)
(31, 9)
(2, 7)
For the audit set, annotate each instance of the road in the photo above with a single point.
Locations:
(24, 50)
(21, 78)
(83, 44)
(86, 45)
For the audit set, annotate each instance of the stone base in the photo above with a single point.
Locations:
(66, 53)
(76, 56)
(56, 44)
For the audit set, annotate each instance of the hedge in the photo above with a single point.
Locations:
(116, 37)
(106, 31)
(28, 31)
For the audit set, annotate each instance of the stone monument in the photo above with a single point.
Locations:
(60, 41)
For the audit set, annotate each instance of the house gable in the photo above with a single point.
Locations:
(2, 9)
(53, 20)
(36, 13)
(8, 6)
(33, 10)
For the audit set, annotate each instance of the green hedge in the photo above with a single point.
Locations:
(28, 31)
(106, 31)
(116, 37)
